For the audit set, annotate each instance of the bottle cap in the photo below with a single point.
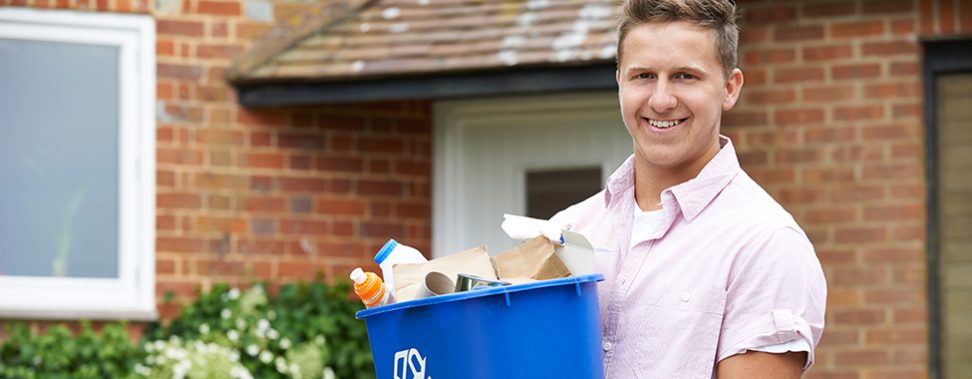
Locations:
(385, 251)
(358, 275)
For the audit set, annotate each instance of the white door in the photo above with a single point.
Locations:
(521, 155)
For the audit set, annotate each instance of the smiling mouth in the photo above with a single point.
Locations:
(665, 124)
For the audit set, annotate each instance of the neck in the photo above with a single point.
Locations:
(651, 180)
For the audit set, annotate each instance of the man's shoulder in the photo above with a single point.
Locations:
(753, 205)
(586, 209)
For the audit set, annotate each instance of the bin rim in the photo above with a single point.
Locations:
(482, 292)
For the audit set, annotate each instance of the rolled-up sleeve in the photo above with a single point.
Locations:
(776, 293)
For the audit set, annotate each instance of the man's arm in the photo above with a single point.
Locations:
(757, 364)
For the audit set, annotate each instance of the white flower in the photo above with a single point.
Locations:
(142, 370)
(36, 361)
(284, 344)
(263, 324)
(225, 314)
(319, 340)
(150, 359)
(233, 294)
(266, 356)
(272, 315)
(233, 335)
(273, 334)
(240, 324)
(158, 345)
(281, 365)
(328, 373)
(204, 328)
(252, 350)
(294, 370)
(234, 356)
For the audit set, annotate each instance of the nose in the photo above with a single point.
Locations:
(662, 99)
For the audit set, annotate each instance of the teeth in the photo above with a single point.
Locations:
(663, 124)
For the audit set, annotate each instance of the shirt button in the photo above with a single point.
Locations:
(607, 346)
(686, 296)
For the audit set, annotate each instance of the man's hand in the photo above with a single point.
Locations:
(757, 364)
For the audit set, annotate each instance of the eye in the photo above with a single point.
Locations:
(683, 76)
(645, 75)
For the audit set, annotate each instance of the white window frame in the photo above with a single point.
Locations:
(131, 296)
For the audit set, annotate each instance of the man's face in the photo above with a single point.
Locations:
(673, 91)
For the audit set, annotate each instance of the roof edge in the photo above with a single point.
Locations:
(291, 30)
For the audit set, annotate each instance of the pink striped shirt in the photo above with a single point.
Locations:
(726, 270)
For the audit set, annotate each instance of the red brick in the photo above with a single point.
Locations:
(892, 171)
(856, 71)
(413, 168)
(827, 9)
(828, 94)
(178, 200)
(905, 27)
(894, 255)
(220, 224)
(861, 235)
(790, 32)
(856, 358)
(799, 156)
(303, 227)
(179, 156)
(827, 53)
(262, 246)
(753, 34)
(179, 71)
(844, 298)
(917, 315)
(906, 110)
(892, 90)
(263, 160)
(380, 145)
(827, 175)
(380, 209)
(852, 276)
(298, 270)
(380, 230)
(887, 6)
(224, 51)
(799, 195)
(797, 75)
(222, 8)
(164, 178)
(260, 139)
(301, 140)
(857, 113)
(265, 204)
(183, 244)
(164, 48)
(179, 28)
(899, 212)
(946, 16)
(764, 97)
(770, 56)
(834, 257)
(164, 222)
(908, 233)
(219, 137)
(164, 266)
(870, 152)
(802, 116)
(851, 193)
(829, 135)
(859, 317)
(909, 295)
(297, 184)
(220, 181)
(857, 29)
(769, 14)
(343, 207)
(889, 48)
(340, 164)
(773, 175)
(379, 187)
(831, 215)
(737, 119)
(419, 211)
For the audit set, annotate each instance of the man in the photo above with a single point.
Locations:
(705, 274)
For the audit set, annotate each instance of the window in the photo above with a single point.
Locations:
(549, 191)
(77, 165)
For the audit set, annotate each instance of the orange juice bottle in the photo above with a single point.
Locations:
(368, 286)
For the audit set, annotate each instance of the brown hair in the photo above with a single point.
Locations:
(716, 15)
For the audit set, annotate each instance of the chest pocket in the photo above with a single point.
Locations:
(680, 333)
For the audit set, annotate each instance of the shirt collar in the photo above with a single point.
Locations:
(691, 196)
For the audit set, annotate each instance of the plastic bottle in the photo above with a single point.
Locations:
(392, 254)
(368, 286)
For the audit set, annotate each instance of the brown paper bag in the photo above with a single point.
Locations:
(534, 259)
(409, 277)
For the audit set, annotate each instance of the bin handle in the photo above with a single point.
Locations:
(577, 286)
(506, 294)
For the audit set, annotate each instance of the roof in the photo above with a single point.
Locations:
(367, 39)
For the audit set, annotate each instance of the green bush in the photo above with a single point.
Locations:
(305, 331)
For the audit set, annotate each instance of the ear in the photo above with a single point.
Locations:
(617, 76)
(733, 89)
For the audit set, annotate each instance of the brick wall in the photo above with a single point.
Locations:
(831, 123)
(280, 194)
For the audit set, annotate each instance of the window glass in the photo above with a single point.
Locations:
(59, 159)
(549, 191)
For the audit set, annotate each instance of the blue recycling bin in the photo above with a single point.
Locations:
(545, 329)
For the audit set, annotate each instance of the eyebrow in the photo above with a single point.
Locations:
(697, 69)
